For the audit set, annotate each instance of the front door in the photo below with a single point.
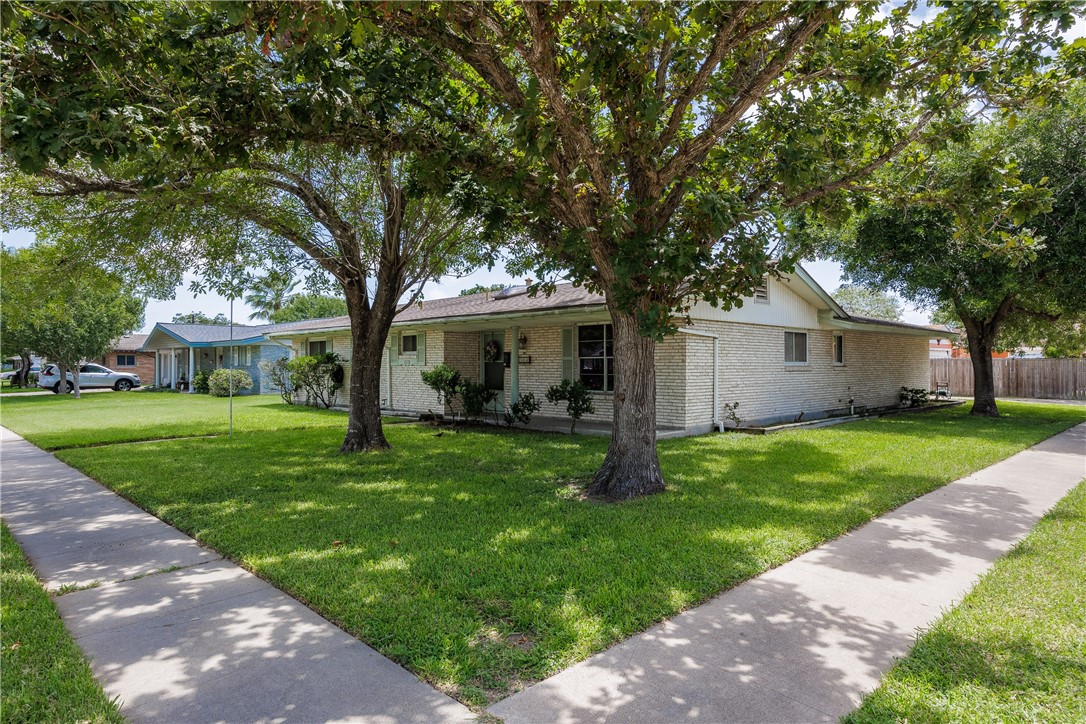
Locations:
(493, 372)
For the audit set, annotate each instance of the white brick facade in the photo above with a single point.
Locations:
(750, 356)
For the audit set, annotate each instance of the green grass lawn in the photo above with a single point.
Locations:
(1014, 650)
(43, 675)
(59, 421)
(469, 556)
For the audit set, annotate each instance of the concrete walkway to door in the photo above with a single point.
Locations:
(805, 641)
(178, 633)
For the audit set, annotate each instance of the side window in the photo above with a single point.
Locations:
(838, 349)
(795, 348)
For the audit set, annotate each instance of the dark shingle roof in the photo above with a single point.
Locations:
(509, 301)
(129, 342)
(205, 333)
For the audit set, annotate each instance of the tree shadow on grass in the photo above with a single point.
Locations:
(460, 558)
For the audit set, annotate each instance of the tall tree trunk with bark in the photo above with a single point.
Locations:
(631, 467)
(369, 330)
(982, 334)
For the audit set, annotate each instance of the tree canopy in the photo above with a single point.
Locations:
(64, 309)
(868, 302)
(994, 232)
(199, 318)
(309, 306)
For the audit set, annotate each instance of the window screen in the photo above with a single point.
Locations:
(795, 347)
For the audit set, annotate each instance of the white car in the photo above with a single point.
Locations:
(90, 375)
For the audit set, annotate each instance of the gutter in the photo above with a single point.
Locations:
(717, 425)
(833, 322)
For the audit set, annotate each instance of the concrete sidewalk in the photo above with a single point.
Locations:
(805, 641)
(178, 633)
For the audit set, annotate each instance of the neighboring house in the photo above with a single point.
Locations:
(127, 355)
(180, 349)
(790, 352)
(942, 347)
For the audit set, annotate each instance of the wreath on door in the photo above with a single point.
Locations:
(492, 351)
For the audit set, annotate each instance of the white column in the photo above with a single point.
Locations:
(192, 370)
(173, 367)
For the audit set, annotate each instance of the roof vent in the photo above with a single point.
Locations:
(511, 292)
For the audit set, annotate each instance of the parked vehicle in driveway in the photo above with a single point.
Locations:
(34, 369)
(90, 375)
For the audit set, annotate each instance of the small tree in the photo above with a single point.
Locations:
(577, 398)
(318, 376)
(278, 373)
(445, 381)
(476, 396)
(221, 379)
(523, 409)
(73, 312)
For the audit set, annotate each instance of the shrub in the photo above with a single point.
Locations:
(577, 398)
(201, 381)
(522, 409)
(278, 374)
(318, 376)
(476, 397)
(914, 396)
(220, 381)
(445, 381)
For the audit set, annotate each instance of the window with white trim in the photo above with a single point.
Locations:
(795, 348)
(316, 349)
(241, 356)
(409, 344)
(838, 348)
(595, 357)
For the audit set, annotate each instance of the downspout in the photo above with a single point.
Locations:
(716, 423)
(388, 378)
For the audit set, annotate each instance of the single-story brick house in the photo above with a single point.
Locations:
(127, 355)
(790, 352)
(180, 349)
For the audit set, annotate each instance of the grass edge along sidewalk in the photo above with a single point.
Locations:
(43, 674)
(1014, 649)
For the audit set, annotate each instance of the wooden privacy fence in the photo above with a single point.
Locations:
(1055, 379)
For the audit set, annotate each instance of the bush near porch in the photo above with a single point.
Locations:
(469, 557)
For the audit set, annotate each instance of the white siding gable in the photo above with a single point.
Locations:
(785, 309)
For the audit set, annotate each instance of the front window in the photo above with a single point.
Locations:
(316, 349)
(409, 344)
(795, 348)
(595, 357)
(126, 360)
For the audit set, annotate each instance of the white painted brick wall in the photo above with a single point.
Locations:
(753, 372)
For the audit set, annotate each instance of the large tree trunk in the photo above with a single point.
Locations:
(631, 467)
(369, 330)
(980, 354)
(75, 381)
